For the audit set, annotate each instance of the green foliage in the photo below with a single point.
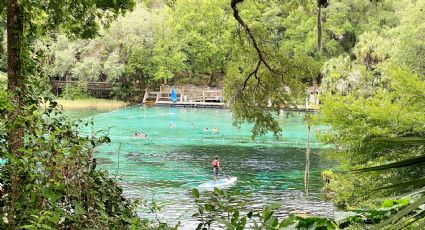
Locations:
(74, 93)
(58, 183)
(206, 44)
(60, 186)
(3, 81)
(88, 69)
(3, 55)
(371, 49)
(259, 100)
(375, 110)
(392, 111)
(315, 223)
(376, 114)
(344, 76)
(216, 208)
(409, 45)
(390, 203)
(122, 56)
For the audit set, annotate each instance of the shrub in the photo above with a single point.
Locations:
(74, 92)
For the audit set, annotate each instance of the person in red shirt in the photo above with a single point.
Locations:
(216, 168)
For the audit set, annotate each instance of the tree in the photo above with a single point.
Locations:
(408, 46)
(391, 111)
(167, 56)
(206, 44)
(25, 19)
(259, 85)
(3, 60)
(76, 17)
(123, 55)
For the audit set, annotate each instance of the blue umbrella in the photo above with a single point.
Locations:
(173, 95)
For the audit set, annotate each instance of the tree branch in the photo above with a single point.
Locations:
(253, 73)
(233, 4)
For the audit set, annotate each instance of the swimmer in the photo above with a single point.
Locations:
(215, 130)
(172, 125)
(192, 125)
(206, 130)
(139, 134)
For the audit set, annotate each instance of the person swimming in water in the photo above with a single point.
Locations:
(216, 168)
(139, 134)
(215, 130)
(206, 130)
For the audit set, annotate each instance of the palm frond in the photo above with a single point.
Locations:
(414, 219)
(416, 191)
(401, 213)
(416, 183)
(397, 164)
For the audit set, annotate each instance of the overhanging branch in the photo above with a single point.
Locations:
(253, 73)
(254, 43)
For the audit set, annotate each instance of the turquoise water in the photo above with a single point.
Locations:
(176, 157)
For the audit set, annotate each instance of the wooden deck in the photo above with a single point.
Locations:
(191, 104)
(187, 96)
(192, 96)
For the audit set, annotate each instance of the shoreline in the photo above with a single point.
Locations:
(92, 103)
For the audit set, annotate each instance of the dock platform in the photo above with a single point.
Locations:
(187, 96)
(191, 104)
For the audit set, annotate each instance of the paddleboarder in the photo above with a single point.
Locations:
(216, 168)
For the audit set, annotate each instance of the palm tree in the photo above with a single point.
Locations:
(411, 214)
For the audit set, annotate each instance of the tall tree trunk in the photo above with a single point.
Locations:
(15, 72)
(211, 80)
(307, 162)
(15, 67)
(319, 28)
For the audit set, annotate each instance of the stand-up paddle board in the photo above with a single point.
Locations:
(220, 183)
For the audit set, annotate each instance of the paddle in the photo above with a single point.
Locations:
(224, 173)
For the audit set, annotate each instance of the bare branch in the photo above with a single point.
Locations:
(250, 34)
(253, 73)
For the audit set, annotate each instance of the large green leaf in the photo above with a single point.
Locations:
(416, 191)
(414, 219)
(397, 164)
(416, 183)
(402, 213)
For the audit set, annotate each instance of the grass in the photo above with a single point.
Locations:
(3, 81)
(3, 77)
(92, 103)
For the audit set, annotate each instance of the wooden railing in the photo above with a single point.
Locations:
(190, 93)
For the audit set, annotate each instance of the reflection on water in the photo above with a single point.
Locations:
(175, 159)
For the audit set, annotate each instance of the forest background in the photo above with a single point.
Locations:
(366, 57)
